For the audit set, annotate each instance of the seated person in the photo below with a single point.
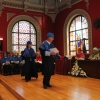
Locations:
(15, 63)
(22, 57)
(22, 64)
(38, 61)
(80, 55)
(10, 53)
(19, 57)
(7, 68)
(95, 54)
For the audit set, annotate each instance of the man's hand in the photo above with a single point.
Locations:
(52, 53)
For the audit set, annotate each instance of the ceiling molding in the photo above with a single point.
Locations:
(53, 17)
(1, 7)
(87, 3)
(39, 8)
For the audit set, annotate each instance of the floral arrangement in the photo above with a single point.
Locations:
(77, 71)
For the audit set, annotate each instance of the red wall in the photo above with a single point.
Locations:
(94, 13)
(46, 24)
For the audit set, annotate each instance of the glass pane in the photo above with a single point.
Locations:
(72, 43)
(78, 35)
(78, 31)
(15, 28)
(78, 23)
(32, 29)
(15, 48)
(72, 27)
(33, 39)
(88, 52)
(24, 27)
(73, 53)
(34, 47)
(21, 48)
(87, 44)
(14, 38)
(85, 33)
(84, 23)
(72, 36)
(23, 38)
(72, 46)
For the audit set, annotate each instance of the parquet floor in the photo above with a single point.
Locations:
(64, 88)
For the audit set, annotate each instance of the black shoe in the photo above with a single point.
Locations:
(10, 74)
(5, 74)
(27, 80)
(36, 77)
(49, 85)
(45, 87)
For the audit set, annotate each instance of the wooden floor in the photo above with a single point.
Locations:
(64, 88)
(5, 94)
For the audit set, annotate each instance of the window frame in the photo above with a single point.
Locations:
(75, 32)
(24, 33)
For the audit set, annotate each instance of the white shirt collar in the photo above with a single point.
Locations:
(48, 42)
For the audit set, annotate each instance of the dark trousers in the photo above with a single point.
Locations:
(46, 79)
(28, 71)
(16, 68)
(39, 67)
(7, 69)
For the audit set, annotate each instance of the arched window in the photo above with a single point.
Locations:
(22, 32)
(78, 30)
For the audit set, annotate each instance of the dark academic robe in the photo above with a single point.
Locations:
(30, 68)
(16, 67)
(47, 61)
(6, 68)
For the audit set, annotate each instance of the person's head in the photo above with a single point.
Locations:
(18, 53)
(14, 53)
(29, 44)
(4, 54)
(22, 52)
(95, 50)
(50, 37)
(10, 53)
(38, 53)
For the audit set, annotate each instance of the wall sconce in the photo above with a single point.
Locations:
(1, 38)
(1, 44)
